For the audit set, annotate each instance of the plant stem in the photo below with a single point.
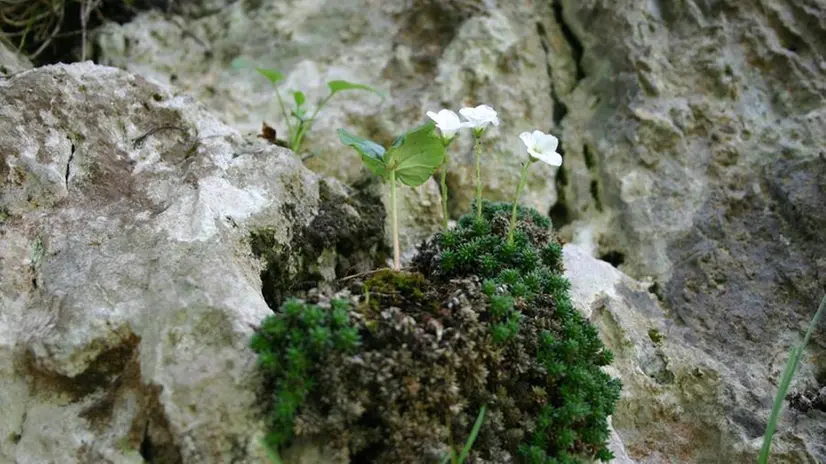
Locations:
(443, 184)
(295, 143)
(478, 177)
(286, 115)
(522, 182)
(305, 126)
(394, 217)
(785, 381)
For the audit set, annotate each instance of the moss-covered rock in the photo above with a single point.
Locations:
(346, 236)
(476, 323)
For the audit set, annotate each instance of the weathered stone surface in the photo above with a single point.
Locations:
(679, 403)
(693, 132)
(128, 287)
(706, 150)
(426, 54)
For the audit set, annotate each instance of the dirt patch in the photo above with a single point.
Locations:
(100, 374)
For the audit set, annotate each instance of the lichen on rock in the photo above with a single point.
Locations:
(127, 285)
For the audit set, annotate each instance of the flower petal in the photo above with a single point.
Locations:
(488, 114)
(548, 143)
(447, 121)
(552, 158)
(527, 139)
(468, 113)
(448, 134)
(450, 119)
(480, 116)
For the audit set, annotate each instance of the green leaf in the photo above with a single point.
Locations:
(473, 434)
(338, 86)
(270, 453)
(372, 154)
(271, 74)
(785, 381)
(299, 98)
(416, 155)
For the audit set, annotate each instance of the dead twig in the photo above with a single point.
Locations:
(86, 9)
(39, 19)
(37, 23)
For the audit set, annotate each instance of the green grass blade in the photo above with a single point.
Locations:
(784, 385)
(271, 452)
(473, 434)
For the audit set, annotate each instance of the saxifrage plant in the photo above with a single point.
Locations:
(411, 160)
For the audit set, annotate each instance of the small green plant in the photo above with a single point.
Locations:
(516, 343)
(459, 458)
(290, 344)
(519, 271)
(493, 322)
(449, 124)
(785, 381)
(299, 120)
(411, 160)
(272, 455)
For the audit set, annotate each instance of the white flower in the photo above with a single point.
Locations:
(478, 118)
(542, 147)
(448, 123)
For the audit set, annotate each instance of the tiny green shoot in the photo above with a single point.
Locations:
(271, 453)
(299, 119)
(452, 457)
(785, 381)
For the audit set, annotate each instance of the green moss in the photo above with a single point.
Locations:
(656, 336)
(352, 227)
(291, 345)
(397, 285)
(477, 324)
(528, 275)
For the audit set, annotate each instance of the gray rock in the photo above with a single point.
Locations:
(705, 148)
(693, 134)
(679, 402)
(426, 54)
(128, 287)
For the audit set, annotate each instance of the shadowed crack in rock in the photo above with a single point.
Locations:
(345, 237)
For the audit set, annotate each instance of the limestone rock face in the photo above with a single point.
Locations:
(678, 402)
(694, 140)
(426, 54)
(128, 284)
(706, 147)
